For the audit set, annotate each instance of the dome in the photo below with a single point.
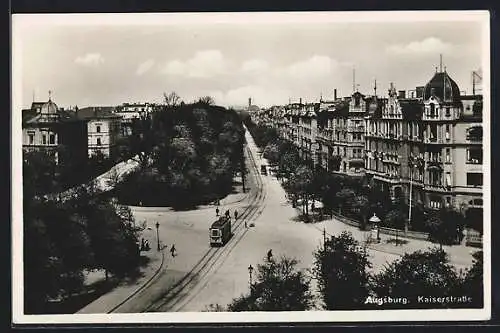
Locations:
(49, 107)
(443, 87)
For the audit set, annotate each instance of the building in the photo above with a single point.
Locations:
(103, 130)
(427, 147)
(55, 131)
(130, 111)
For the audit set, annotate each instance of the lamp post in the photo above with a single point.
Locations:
(250, 271)
(374, 220)
(158, 234)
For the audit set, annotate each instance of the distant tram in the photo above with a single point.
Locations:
(220, 231)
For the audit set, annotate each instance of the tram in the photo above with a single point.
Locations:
(220, 231)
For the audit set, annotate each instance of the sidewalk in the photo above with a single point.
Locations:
(125, 289)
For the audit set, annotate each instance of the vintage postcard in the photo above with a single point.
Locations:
(251, 167)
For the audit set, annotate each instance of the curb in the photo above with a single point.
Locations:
(143, 286)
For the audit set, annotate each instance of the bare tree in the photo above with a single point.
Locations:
(206, 100)
(172, 100)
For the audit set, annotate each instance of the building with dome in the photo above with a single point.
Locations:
(55, 131)
(428, 149)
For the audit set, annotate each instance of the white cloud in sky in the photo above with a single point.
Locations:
(90, 59)
(430, 45)
(254, 66)
(204, 64)
(315, 66)
(261, 95)
(145, 67)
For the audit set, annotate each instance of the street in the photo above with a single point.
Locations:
(199, 275)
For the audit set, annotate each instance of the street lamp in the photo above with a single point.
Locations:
(250, 271)
(158, 234)
(374, 220)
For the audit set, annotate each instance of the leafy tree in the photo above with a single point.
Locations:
(360, 207)
(342, 273)
(444, 226)
(344, 197)
(416, 274)
(279, 286)
(473, 281)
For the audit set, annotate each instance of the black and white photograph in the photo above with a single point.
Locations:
(251, 167)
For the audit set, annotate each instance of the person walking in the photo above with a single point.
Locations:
(269, 255)
(217, 211)
(246, 226)
(235, 214)
(173, 250)
(228, 214)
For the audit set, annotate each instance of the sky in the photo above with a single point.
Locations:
(92, 62)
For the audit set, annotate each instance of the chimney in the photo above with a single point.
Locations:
(402, 94)
(250, 102)
(300, 100)
(334, 94)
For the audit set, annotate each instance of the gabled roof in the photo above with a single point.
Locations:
(99, 112)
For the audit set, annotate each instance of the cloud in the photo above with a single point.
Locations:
(316, 66)
(261, 95)
(90, 59)
(254, 66)
(427, 46)
(204, 64)
(145, 66)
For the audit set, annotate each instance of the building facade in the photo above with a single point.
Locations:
(103, 130)
(55, 131)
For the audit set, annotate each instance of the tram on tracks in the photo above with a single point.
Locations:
(220, 231)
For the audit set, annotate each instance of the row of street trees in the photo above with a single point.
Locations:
(349, 196)
(188, 154)
(345, 282)
(63, 240)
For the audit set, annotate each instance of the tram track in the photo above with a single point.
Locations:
(179, 291)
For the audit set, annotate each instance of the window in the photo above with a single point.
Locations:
(448, 202)
(448, 155)
(448, 179)
(475, 133)
(98, 129)
(448, 113)
(474, 179)
(98, 141)
(52, 139)
(433, 133)
(435, 203)
(44, 139)
(31, 138)
(447, 131)
(475, 155)
(433, 111)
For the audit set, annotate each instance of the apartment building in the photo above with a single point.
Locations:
(428, 147)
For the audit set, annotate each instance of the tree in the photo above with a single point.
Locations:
(208, 100)
(171, 100)
(344, 197)
(279, 286)
(473, 281)
(360, 206)
(301, 186)
(395, 219)
(416, 274)
(444, 226)
(342, 273)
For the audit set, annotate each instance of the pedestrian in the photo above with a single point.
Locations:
(228, 214)
(143, 244)
(235, 214)
(217, 211)
(269, 255)
(246, 226)
(147, 245)
(172, 250)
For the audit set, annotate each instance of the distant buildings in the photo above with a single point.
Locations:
(424, 144)
(103, 130)
(130, 111)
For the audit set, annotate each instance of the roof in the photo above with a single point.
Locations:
(442, 85)
(99, 112)
(411, 108)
